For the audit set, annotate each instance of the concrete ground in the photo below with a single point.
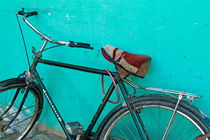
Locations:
(41, 132)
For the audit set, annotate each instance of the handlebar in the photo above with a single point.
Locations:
(25, 15)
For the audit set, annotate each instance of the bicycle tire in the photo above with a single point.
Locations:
(30, 111)
(114, 127)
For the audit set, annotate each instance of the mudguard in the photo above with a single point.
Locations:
(6, 83)
(20, 82)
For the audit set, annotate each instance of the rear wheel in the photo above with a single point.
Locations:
(14, 125)
(155, 112)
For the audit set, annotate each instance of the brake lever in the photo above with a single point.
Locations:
(80, 45)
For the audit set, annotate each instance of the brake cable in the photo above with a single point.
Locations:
(24, 43)
(115, 85)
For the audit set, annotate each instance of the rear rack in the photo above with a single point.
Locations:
(188, 95)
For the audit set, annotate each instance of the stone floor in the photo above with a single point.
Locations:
(47, 136)
(41, 132)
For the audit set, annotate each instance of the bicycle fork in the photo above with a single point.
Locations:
(14, 115)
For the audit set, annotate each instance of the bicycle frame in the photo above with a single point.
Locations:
(33, 75)
(116, 76)
(136, 118)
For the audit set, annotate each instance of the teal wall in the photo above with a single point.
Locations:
(176, 34)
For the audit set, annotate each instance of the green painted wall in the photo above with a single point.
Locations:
(176, 34)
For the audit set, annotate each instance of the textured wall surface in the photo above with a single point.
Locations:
(176, 34)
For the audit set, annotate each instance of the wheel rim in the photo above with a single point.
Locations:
(183, 127)
(23, 122)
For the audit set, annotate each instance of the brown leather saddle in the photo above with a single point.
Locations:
(127, 63)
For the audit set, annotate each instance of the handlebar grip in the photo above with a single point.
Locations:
(20, 12)
(28, 14)
(79, 45)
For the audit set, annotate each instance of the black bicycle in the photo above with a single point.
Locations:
(150, 117)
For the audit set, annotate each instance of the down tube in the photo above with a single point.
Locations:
(52, 105)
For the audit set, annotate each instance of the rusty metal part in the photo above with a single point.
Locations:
(202, 137)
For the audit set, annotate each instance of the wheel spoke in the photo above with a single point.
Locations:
(124, 122)
(24, 120)
(121, 131)
(19, 123)
(11, 114)
(157, 115)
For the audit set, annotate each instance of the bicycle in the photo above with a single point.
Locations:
(172, 116)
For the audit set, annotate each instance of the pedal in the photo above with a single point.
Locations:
(75, 128)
